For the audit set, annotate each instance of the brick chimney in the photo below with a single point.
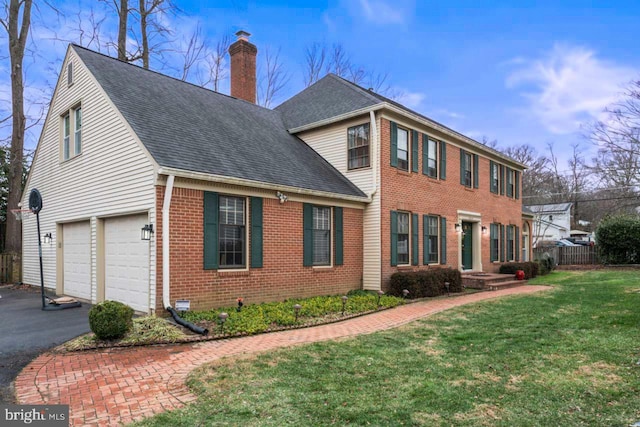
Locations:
(243, 68)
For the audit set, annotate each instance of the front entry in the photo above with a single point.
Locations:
(467, 245)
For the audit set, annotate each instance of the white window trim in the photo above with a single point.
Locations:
(439, 242)
(409, 142)
(408, 263)
(246, 237)
(331, 237)
(71, 112)
(437, 157)
(370, 154)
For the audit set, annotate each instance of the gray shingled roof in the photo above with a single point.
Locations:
(186, 127)
(332, 96)
(555, 207)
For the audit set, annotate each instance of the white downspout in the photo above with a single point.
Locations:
(374, 152)
(166, 259)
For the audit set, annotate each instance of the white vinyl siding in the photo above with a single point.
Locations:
(113, 176)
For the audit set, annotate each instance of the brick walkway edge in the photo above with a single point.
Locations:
(118, 386)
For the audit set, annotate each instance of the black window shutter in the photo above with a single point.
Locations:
(443, 160)
(394, 238)
(210, 230)
(517, 248)
(425, 154)
(462, 167)
(414, 239)
(256, 232)
(443, 240)
(414, 151)
(502, 245)
(476, 171)
(394, 144)
(307, 224)
(338, 225)
(517, 178)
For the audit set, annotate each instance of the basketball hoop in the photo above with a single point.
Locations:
(20, 213)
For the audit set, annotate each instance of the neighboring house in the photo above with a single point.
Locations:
(551, 221)
(335, 189)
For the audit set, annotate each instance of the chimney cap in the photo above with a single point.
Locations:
(243, 35)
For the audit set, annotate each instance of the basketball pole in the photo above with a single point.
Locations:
(40, 256)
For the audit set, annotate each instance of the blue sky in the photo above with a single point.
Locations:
(519, 72)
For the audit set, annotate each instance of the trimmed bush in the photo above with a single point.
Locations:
(530, 268)
(618, 239)
(428, 283)
(546, 264)
(110, 320)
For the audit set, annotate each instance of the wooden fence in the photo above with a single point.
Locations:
(10, 268)
(570, 255)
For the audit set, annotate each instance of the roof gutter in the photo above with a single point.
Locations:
(180, 173)
(339, 118)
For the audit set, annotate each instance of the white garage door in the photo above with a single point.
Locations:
(76, 254)
(127, 261)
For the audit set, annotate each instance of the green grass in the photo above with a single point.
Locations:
(565, 357)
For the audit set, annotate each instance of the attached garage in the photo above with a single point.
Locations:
(126, 263)
(76, 253)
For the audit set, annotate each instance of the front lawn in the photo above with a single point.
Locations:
(563, 357)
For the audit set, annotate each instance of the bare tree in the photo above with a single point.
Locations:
(315, 56)
(273, 79)
(193, 53)
(153, 33)
(17, 32)
(216, 64)
(123, 17)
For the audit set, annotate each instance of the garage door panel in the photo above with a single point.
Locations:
(76, 257)
(127, 261)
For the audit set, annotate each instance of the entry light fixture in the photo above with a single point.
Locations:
(458, 228)
(484, 229)
(283, 197)
(147, 231)
(47, 238)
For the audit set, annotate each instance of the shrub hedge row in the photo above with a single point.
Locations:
(428, 283)
(531, 269)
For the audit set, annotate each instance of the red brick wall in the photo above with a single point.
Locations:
(417, 193)
(243, 70)
(282, 276)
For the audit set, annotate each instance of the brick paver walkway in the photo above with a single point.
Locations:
(117, 386)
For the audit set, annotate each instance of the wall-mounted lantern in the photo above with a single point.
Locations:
(147, 231)
(47, 238)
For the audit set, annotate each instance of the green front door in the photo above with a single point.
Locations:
(467, 246)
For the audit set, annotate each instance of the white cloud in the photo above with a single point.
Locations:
(409, 99)
(380, 12)
(569, 86)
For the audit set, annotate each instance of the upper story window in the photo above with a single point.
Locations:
(403, 149)
(72, 133)
(510, 182)
(358, 146)
(232, 235)
(321, 235)
(403, 238)
(467, 171)
(495, 177)
(432, 158)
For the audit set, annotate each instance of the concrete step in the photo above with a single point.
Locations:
(505, 285)
(482, 280)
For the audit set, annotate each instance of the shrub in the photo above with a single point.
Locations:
(530, 268)
(110, 320)
(618, 239)
(428, 283)
(546, 264)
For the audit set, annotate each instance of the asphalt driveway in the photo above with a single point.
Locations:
(26, 331)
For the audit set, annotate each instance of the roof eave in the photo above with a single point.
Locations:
(181, 173)
(336, 119)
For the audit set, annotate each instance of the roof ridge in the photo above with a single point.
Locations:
(168, 76)
(356, 87)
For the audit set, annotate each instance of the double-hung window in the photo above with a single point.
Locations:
(358, 137)
(510, 242)
(432, 239)
(321, 235)
(495, 177)
(432, 158)
(403, 238)
(495, 239)
(403, 149)
(232, 234)
(72, 133)
(510, 183)
(468, 173)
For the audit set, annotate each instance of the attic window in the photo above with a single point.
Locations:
(70, 73)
